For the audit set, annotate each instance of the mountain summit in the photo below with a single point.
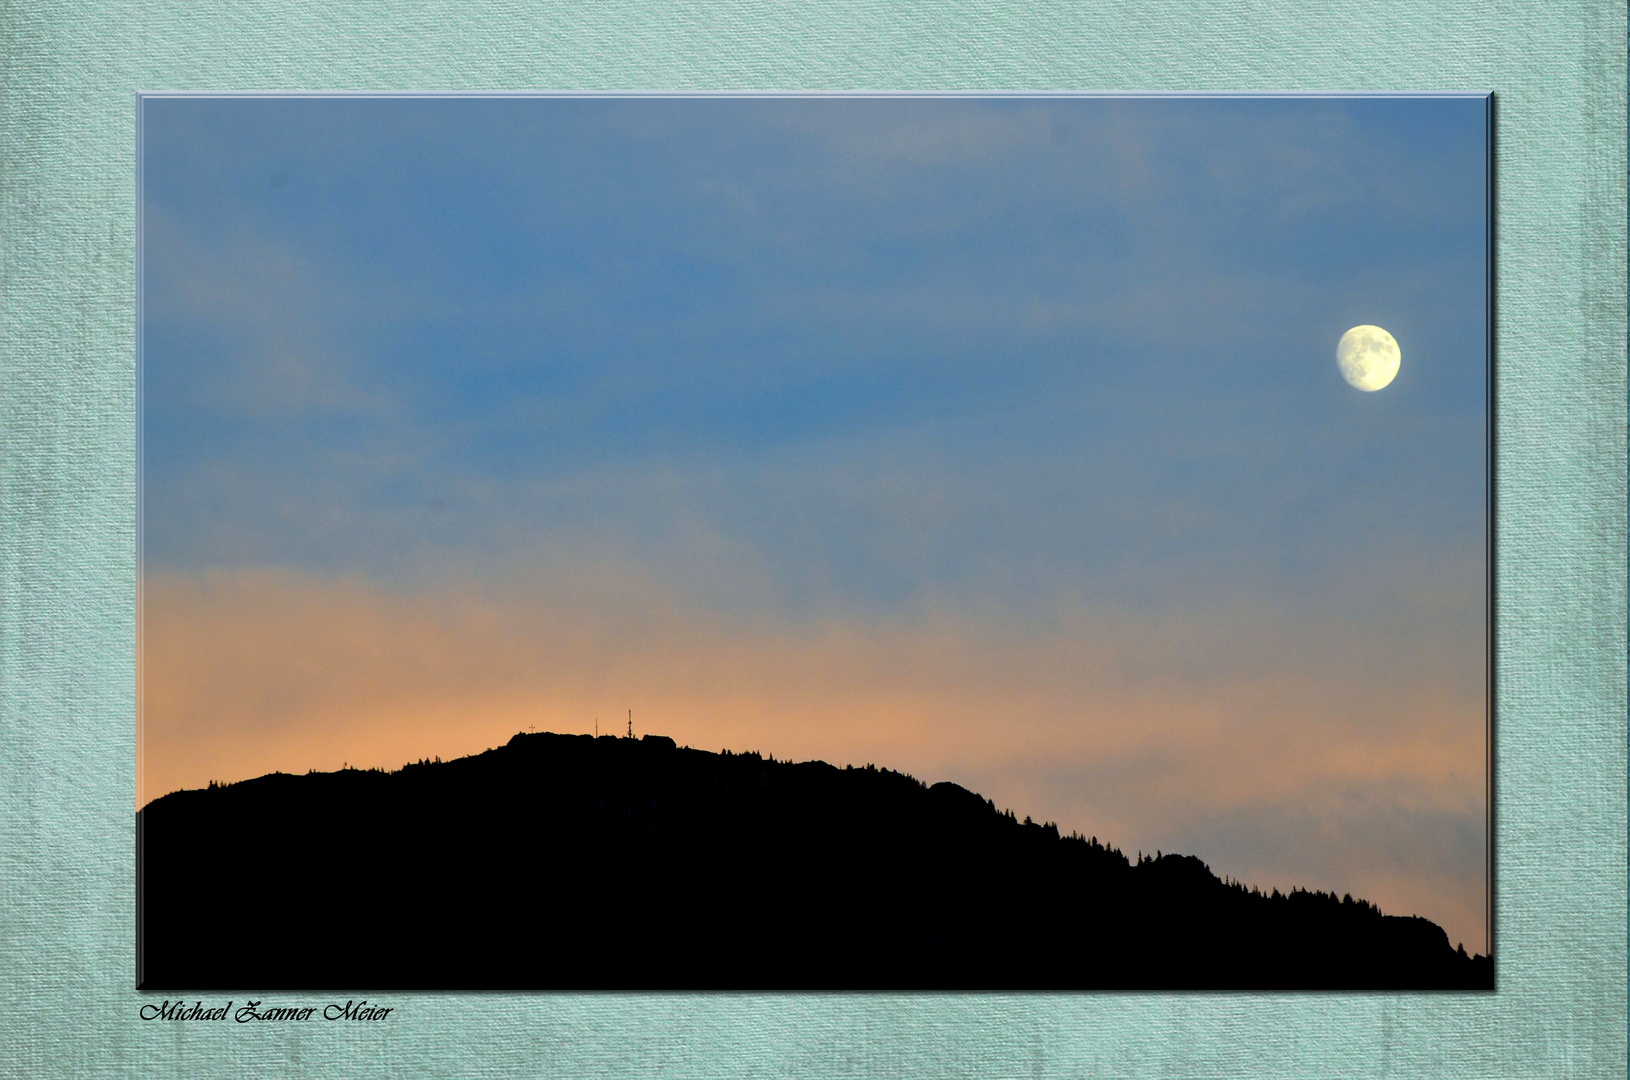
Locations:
(573, 862)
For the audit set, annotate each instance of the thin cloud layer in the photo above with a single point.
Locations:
(1254, 746)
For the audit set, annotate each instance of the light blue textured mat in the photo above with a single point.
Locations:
(68, 77)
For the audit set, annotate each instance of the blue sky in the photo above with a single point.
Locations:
(894, 347)
(1014, 363)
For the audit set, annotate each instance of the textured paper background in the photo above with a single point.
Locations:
(68, 77)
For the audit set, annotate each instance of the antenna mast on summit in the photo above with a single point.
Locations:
(630, 723)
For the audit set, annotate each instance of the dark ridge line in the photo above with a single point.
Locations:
(1073, 835)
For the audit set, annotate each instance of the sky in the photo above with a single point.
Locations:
(999, 441)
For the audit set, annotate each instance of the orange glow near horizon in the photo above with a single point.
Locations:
(1146, 733)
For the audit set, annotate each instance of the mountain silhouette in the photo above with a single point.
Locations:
(574, 862)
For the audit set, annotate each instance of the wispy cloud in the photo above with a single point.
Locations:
(1253, 743)
(273, 329)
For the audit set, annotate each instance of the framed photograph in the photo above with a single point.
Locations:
(374, 595)
(1042, 541)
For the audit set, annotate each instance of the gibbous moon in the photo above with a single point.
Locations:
(1368, 357)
